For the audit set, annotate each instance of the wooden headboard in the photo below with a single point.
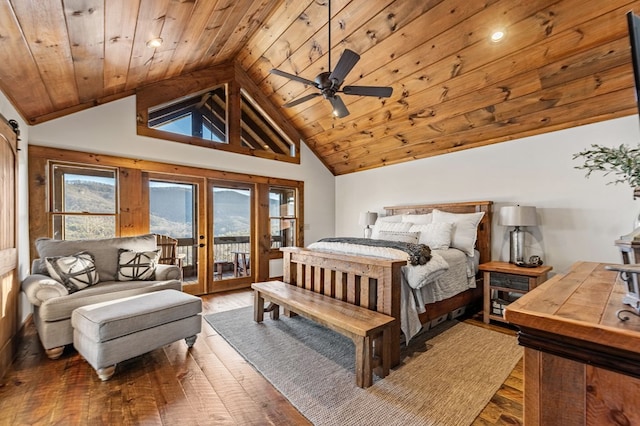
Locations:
(483, 242)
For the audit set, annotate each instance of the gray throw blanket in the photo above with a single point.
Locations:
(419, 254)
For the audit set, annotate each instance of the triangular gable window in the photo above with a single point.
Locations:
(217, 108)
(202, 116)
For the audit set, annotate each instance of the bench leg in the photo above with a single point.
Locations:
(386, 350)
(274, 311)
(258, 306)
(364, 354)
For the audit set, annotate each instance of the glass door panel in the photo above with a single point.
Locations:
(282, 216)
(231, 225)
(173, 211)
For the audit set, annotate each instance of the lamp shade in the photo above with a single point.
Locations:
(518, 216)
(368, 218)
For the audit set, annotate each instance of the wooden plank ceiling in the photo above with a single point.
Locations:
(562, 63)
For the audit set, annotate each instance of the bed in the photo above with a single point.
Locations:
(377, 283)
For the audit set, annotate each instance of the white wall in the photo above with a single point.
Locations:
(9, 112)
(111, 129)
(580, 218)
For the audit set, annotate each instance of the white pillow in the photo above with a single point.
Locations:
(403, 237)
(394, 218)
(418, 219)
(389, 226)
(465, 229)
(435, 235)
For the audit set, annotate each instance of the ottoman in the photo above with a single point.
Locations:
(110, 332)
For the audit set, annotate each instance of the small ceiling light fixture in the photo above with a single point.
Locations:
(497, 35)
(154, 42)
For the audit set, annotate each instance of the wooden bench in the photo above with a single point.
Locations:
(361, 325)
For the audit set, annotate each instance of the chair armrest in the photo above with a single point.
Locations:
(40, 288)
(167, 272)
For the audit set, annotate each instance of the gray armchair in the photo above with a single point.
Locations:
(53, 302)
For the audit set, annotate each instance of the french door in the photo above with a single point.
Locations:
(177, 209)
(231, 224)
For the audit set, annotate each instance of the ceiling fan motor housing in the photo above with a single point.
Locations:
(327, 86)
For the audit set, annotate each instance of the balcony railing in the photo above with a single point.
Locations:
(224, 249)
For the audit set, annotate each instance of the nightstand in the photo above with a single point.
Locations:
(504, 282)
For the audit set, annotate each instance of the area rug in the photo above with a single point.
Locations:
(447, 375)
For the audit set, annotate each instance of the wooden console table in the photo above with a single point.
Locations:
(581, 363)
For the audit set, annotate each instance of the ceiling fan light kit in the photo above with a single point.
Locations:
(329, 82)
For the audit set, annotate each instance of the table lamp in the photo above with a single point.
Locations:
(517, 216)
(367, 219)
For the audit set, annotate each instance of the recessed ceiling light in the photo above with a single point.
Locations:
(497, 35)
(154, 42)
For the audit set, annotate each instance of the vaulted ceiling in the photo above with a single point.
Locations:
(561, 63)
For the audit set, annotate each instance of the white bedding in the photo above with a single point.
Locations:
(448, 273)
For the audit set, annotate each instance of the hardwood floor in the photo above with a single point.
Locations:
(211, 384)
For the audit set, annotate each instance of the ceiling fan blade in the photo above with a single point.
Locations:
(339, 108)
(293, 77)
(346, 63)
(301, 100)
(381, 92)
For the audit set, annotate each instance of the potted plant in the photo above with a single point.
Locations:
(622, 162)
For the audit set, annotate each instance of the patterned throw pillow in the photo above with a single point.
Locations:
(74, 272)
(402, 237)
(133, 265)
(382, 225)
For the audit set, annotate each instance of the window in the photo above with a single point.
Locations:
(171, 209)
(173, 212)
(218, 108)
(202, 116)
(283, 216)
(84, 202)
(232, 228)
(258, 131)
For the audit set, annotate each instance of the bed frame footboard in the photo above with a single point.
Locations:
(364, 281)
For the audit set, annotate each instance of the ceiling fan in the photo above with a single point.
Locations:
(328, 83)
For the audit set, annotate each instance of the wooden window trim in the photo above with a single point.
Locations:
(199, 81)
(133, 211)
